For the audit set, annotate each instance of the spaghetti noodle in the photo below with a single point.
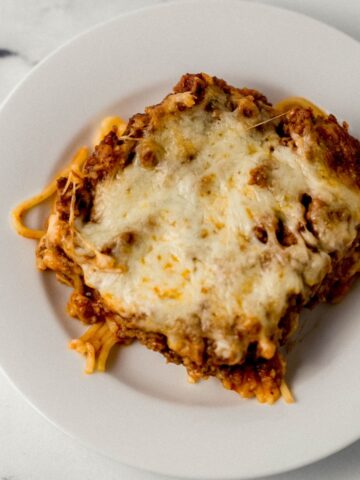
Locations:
(20, 210)
(95, 344)
(293, 102)
(115, 123)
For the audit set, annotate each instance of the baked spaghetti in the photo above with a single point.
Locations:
(203, 227)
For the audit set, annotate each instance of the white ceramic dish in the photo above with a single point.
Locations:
(142, 412)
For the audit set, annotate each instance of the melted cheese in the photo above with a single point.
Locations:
(194, 266)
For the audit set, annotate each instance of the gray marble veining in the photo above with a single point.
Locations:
(31, 29)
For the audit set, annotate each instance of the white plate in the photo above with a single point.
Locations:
(143, 412)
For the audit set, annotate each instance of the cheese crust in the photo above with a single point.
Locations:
(207, 226)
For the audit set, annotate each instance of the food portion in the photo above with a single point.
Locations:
(203, 227)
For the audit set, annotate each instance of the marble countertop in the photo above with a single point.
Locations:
(32, 448)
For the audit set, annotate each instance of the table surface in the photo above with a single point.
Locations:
(32, 448)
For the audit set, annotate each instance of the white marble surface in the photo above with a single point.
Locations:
(30, 447)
